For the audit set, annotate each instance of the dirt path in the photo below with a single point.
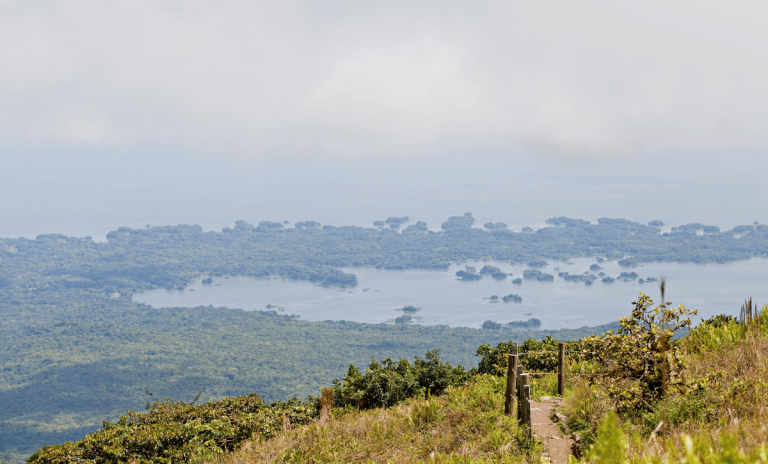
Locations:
(556, 446)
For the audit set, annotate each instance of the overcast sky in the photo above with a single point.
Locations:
(583, 80)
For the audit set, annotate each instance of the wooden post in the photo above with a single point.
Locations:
(519, 392)
(511, 392)
(524, 406)
(509, 397)
(561, 369)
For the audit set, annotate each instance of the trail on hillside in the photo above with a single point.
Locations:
(556, 446)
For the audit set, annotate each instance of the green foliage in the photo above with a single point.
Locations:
(175, 432)
(585, 409)
(388, 383)
(535, 355)
(60, 379)
(642, 362)
(702, 450)
(714, 334)
(610, 445)
(719, 320)
(465, 425)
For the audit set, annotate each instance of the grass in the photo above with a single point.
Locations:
(465, 425)
(717, 413)
(720, 416)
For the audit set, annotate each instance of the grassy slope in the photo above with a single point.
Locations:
(87, 372)
(466, 424)
(720, 418)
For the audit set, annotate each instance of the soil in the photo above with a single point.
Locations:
(556, 446)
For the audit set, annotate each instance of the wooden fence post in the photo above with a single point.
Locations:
(519, 391)
(525, 404)
(561, 369)
(527, 409)
(511, 392)
(509, 397)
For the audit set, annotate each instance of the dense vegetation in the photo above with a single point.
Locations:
(82, 364)
(178, 432)
(78, 350)
(465, 425)
(640, 395)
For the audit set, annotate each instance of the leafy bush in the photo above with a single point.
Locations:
(535, 356)
(175, 432)
(643, 361)
(713, 334)
(388, 383)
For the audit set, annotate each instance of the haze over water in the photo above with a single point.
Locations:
(81, 193)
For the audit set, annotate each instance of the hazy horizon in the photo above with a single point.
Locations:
(80, 194)
(128, 113)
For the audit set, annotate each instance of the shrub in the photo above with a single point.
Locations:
(388, 383)
(176, 432)
(536, 356)
(643, 361)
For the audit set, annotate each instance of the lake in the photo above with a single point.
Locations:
(710, 288)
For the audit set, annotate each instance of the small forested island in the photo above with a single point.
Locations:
(487, 269)
(406, 319)
(494, 271)
(513, 298)
(517, 281)
(586, 277)
(627, 276)
(467, 275)
(538, 275)
(533, 322)
(396, 222)
(537, 263)
(408, 309)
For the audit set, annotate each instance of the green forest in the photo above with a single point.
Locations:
(77, 350)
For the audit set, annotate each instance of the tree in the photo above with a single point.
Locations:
(642, 362)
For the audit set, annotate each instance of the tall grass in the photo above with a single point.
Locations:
(466, 424)
(719, 416)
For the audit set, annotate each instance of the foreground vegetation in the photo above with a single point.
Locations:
(466, 424)
(640, 395)
(60, 380)
(714, 413)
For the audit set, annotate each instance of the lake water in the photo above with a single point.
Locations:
(709, 288)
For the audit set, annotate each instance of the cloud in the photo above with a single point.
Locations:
(590, 79)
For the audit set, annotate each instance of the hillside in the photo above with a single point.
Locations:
(640, 395)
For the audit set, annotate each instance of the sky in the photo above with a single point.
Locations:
(220, 98)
